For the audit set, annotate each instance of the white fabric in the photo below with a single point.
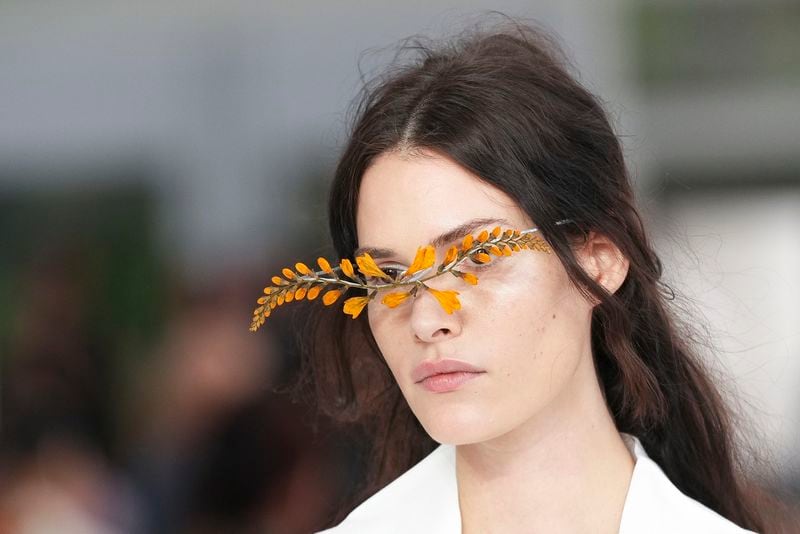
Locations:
(424, 499)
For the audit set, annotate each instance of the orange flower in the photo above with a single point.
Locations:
(331, 296)
(448, 300)
(481, 248)
(539, 244)
(482, 257)
(426, 256)
(354, 305)
(470, 278)
(393, 300)
(347, 268)
(313, 292)
(368, 267)
(324, 265)
(467, 243)
(451, 255)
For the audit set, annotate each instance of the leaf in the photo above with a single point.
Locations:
(451, 255)
(425, 257)
(392, 300)
(313, 292)
(482, 257)
(467, 243)
(448, 300)
(324, 265)
(470, 278)
(368, 267)
(354, 305)
(331, 296)
(347, 268)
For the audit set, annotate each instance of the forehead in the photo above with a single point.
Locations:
(407, 200)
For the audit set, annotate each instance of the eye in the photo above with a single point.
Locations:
(474, 254)
(393, 272)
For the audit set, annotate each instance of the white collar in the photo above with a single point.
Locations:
(425, 499)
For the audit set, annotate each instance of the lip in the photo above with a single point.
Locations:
(444, 375)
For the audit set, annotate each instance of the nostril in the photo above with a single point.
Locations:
(436, 334)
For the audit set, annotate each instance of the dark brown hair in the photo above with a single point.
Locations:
(502, 104)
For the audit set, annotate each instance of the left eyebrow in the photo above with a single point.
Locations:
(442, 239)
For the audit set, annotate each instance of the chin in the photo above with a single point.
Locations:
(455, 425)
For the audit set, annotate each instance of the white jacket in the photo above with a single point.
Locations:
(424, 499)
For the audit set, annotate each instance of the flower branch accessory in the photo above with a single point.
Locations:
(303, 282)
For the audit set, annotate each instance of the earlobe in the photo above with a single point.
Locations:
(603, 261)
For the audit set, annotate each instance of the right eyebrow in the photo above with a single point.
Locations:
(442, 239)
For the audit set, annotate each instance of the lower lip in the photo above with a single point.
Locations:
(442, 383)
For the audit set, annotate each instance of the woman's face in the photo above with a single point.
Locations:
(524, 328)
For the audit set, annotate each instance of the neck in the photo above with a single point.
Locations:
(566, 470)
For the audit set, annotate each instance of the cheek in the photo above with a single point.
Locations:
(538, 332)
(386, 329)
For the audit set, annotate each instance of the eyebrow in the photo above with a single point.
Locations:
(442, 239)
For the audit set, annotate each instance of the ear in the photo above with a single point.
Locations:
(603, 261)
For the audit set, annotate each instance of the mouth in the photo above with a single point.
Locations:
(445, 375)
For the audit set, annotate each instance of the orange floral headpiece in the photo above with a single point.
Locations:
(305, 283)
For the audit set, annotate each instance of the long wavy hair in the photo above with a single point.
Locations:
(503, 105)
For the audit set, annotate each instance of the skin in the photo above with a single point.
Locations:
(537, 413)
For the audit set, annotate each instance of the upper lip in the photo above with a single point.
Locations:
(430, 368)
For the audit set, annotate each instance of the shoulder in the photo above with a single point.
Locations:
(655, 504)
(427, 492)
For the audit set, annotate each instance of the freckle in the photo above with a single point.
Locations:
(554, 316)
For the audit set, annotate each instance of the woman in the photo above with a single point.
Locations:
(563, 395)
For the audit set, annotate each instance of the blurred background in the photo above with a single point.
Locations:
(159, 161)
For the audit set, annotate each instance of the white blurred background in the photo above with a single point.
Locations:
(158, 160)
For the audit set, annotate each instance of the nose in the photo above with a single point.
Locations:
(430, 322)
